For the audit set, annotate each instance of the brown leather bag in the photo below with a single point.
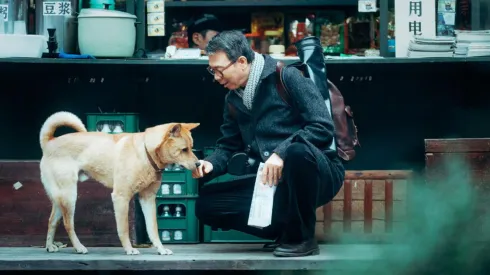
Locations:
(342, 115)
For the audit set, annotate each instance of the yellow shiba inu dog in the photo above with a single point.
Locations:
(128, 163)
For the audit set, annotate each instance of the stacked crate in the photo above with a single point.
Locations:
(176, 202)
(218, 235)
(113, 123)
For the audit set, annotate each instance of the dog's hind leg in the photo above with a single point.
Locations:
(55, 217)
(67, 204)
(54, 221)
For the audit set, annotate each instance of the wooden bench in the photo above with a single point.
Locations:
(370, 207)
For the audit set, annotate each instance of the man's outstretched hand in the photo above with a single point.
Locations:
(272, 172)
(205, 168)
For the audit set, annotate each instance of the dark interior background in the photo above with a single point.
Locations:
(403, 104)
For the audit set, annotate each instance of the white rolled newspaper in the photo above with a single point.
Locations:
(262, 202)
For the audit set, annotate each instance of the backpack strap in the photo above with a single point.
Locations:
(280, 85)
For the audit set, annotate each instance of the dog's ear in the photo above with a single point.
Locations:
(175, 130)
(154, 137)
(190, 126)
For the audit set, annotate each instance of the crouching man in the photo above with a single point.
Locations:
(292, 142)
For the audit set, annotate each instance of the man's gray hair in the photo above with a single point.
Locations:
(233, 43)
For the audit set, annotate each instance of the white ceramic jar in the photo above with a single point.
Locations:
(106, 33)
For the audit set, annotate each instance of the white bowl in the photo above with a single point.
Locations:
(22, 45)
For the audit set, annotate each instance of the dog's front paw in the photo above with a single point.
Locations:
(81, 249)
(132, 251)
(51, 248)
(164, 251)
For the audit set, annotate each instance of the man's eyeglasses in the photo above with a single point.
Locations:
(217, 71)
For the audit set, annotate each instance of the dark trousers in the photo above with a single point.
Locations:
(298, 195)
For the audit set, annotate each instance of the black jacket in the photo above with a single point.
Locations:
(272, 125)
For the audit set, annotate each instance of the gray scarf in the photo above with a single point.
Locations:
(253, 79)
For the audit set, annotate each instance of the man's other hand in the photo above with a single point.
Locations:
(205, 168)
(272, 172)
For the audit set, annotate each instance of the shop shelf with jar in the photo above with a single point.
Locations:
(262, 22)
(259, 3)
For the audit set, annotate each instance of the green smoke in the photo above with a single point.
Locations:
(445, 232)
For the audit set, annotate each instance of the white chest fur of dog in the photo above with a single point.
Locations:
(128, 163)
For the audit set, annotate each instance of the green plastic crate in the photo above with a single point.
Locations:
(187, 223)
(173, 179)
(129, 122)
(229, 236)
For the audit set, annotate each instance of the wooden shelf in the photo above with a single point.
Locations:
(153, 62)
(259, 3)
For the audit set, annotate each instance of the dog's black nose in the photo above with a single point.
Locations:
(198, 164)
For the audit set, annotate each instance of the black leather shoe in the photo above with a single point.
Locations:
(305, 248)
(269, 247)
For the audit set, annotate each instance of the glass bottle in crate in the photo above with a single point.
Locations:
(166, 211)
(118, 128)
(165, 236)
(165, 189)
(177, 190)
(106, 128)
(178, 235)
(178, 211)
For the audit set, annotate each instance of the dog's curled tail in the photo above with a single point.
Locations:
(57, 120)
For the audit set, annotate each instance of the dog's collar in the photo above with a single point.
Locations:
(152, 162)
